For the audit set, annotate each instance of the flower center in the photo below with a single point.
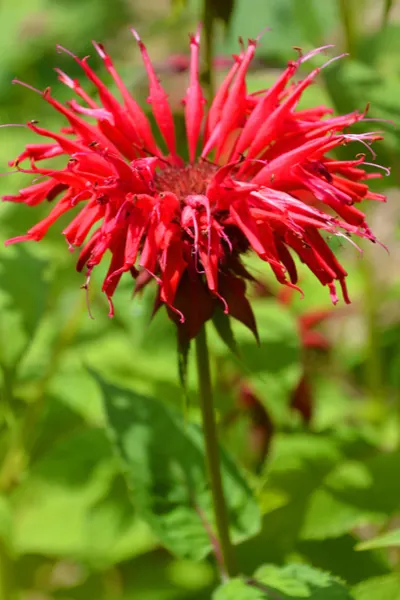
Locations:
(185, 181)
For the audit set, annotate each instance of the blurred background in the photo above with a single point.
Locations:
(312, 416)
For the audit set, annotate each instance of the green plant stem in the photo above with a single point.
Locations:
(212, 454)
(208, 24)
(6, 574)
(388, 5)
(374, 368)
(346, 9)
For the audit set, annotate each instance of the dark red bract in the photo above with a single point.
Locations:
(258, 178)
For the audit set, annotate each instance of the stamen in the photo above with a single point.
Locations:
(8, 173)
(352, 242)
(30, 87)
(312, 53)
(385, 169)
(362, 137)
(332, 60)
(377, 120)
(13, 125)
(258, 38)
(61, 49)
(85, 287)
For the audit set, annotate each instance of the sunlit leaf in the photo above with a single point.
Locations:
(51, 504)
(285, 583)
(387, 540)
(22, 278)
(163, 462)
(379, 588)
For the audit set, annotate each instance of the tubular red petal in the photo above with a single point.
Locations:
(280, 166)
(263, 110)
(73, 84)
(233, 109)
(158, 100)
(194, 100)
(215, 111)
(135, 112)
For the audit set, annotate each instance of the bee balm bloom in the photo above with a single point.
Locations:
(259, 176)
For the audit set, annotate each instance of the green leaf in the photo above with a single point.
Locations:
(327, 496)
(51, 504)
(23, 296)
(297, 467)
(238, 589)
(388, 540)
(273, 368)
(74, 502)
(292, 582)
(22, 277)
(287, 29)
(302, 581)
(339, 556)
(379, 588)
(163, 461)
(113, 530)
(354, 494)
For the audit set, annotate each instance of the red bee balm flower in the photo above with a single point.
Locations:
(258, 177)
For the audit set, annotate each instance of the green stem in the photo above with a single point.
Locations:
(212, 455)
(374, 367)
(388, 5)
(6, 574)
(347, 17)
(208, 23)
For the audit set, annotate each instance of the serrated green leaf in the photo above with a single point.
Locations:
(302, 581)
(379, 588)
(238, 589)
(163, 462)
(292, 582)
(388, 540)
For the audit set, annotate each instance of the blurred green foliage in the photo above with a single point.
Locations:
(311, 431)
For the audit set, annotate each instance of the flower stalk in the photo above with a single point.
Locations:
(208, 23)
(228, 567)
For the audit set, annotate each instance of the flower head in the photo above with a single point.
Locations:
(258, 177)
